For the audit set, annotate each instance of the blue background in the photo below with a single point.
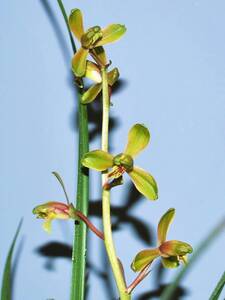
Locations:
(172, 64)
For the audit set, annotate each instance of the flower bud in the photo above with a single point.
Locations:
(53, 210)
(58, 209)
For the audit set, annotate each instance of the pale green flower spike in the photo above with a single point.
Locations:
(171, 252)
(53, 210)
(93, 72)
(91, 41)
(138, 139)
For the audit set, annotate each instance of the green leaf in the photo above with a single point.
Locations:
(138, 139)
(63, 11)
(97, 160)
(91, 93)
(169, 291)
(76, 23)
(6, 282)
(111, 34)
(144, 183)
(80, 238)
(218, 289)
(144, 258)
(170, 262)
(59, 178)
(175, 248)
(113, 76)
(79, 62)
(164, 224)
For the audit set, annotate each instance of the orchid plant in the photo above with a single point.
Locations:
(91, 62)
(112, 167)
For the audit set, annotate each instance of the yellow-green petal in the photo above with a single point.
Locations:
(144, 258)
(111, 34)
(138, 139)
(97, 160)
(93, 72)
(170, 262)
(91, 93)
(175, 248)
(113, 76)
(100, 55)
(76, 23)
(47, 226)
(79, 62)
(144, 183)
(164, 224)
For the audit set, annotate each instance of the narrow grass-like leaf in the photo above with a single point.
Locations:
(59, 178)
(63, 11)
(6, 280)
(80, 239)
(169, 291)
(218, 289)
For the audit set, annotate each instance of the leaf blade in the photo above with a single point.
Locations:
(6, 280)
(218, 289)
(169, 291)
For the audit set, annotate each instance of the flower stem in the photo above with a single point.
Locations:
(110, 249)
(89, 224)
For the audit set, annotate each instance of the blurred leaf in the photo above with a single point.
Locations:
(6, 281)
(169, 291)
(218, 289)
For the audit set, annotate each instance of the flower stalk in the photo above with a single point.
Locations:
(107, 226)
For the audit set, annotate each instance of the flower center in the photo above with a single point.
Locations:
(124, 160)
(91, 36)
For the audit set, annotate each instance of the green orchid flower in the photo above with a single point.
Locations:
(53, 210)
(172, 252)
(93, 72)
(91, 41)
(138, 139)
